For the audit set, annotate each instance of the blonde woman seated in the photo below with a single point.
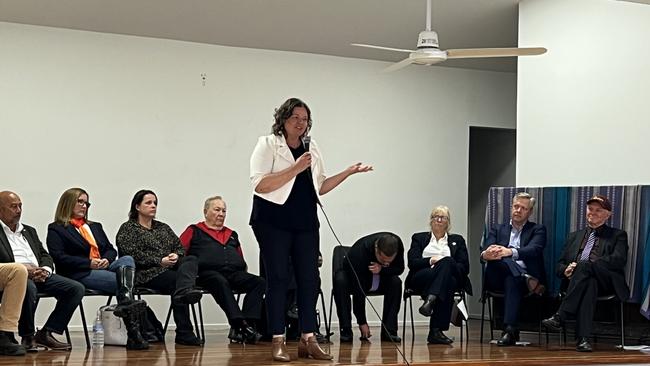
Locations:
(438, 266)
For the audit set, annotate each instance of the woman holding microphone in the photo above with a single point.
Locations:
(287, 176)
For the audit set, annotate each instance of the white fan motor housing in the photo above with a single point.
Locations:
(428, 56)
(428, 39)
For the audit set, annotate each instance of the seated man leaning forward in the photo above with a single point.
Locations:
(378, 261)
(592, 263)
(515, 263)
(222, 270)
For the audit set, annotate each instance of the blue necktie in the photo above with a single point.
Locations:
(375, 282)
(590, 244)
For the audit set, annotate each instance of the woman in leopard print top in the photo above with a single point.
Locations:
(160, 261)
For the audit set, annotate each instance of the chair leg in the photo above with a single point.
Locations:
(67, 336)
(325, 320)
(404, 321)
(622, 328)
(108, 302)
(196, 321)
(201, 319)
(329, 326)
(490, 310)
(83, 323)
(169, 314)
(482, 318)
(412, 322)
(539, 321)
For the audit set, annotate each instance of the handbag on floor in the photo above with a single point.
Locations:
(114, 327)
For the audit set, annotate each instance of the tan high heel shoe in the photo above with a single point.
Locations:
(310, 348)
(279, 350)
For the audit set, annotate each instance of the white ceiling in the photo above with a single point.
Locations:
(312, 26)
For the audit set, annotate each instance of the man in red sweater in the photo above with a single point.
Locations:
(223, 270)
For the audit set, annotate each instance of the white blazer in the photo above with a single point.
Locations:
(272, 155)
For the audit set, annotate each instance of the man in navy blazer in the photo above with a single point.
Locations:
(19, 243)
(515, 263)
(592, 263)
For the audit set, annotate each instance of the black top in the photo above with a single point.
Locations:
(298, 212)
(213, 255)
(362, 253)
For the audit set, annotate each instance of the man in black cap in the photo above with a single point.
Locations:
(592, 262)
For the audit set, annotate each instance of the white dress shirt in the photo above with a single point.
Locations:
(23, 252)
(437, 248)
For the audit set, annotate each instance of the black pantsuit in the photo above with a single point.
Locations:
(442, 281)
(448, 275)
(278, 247)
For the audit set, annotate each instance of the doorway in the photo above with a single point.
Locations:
(492, 158)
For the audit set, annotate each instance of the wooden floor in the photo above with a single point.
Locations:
(218, 351)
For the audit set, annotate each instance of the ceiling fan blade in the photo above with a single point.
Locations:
(380, 47)
(494, 52)
(398, 65)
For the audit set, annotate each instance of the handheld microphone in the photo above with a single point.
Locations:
(306, 140)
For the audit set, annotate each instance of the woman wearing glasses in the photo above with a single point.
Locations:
(287, 176)
(438, 266)
(81, 251)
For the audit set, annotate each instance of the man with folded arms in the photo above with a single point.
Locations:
(515, 262)
(19, 243)
(592, 263)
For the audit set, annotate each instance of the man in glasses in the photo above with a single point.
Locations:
(515, 263)
(375, 263)
(20, 244)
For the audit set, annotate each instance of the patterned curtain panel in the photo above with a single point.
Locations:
(562, 210)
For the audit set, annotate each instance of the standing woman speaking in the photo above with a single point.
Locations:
(287, 177)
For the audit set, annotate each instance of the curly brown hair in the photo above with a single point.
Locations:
(285, 111)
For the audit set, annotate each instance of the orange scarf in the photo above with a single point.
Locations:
(85, 233)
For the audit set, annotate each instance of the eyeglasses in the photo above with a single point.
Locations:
(439, 218)
(81, 202)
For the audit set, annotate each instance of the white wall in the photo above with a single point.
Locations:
(114, 114)
(582, 110)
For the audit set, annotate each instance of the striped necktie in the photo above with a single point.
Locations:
(590, 244)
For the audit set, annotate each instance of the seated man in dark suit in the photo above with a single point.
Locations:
(592, 263)
(515, 262)
(19, 243)
(222, 269)
(377, 260)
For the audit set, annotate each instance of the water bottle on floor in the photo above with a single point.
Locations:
(98, 331)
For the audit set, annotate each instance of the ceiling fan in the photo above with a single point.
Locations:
(428, 53)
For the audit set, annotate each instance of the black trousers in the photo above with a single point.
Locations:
(221, 286)
(589, 279)
(277, 248)
(178, 278)
(441, 280)
(68, 294)
(345, 284)
(499, 277)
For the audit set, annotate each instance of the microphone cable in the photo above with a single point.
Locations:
(356, 276)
